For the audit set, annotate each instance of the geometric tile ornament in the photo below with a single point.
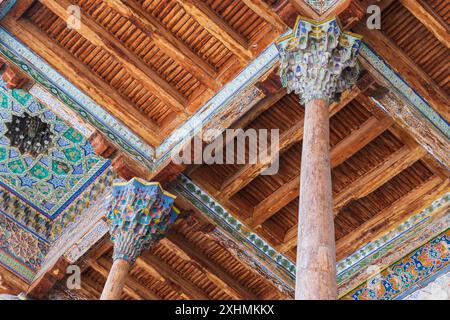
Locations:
(318, 60)
(139, 215)
(49, 180)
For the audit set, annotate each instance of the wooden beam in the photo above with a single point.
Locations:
(409, 70)
(84, 78)
(263, 10)
(377, 176)
(167, 272)
(412, 202)
(249, 172)
(216, 273)
(167, 42)
(138, 69)
(433, 22)
(358, 139)
(354, 142)
(218, 28)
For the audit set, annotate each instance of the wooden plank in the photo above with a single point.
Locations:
(167, 42)
(377, 176)
(359, 138)
(167, 272)
(354, 142)
(138, 69)
(84, 79)
(411, 203)
(215, 272)
(433, 22)
(263, 10)
(218, 27)
(409, 70)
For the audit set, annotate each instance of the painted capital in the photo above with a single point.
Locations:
(139, 214)
(318, 60)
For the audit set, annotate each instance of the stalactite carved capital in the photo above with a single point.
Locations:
(139, 215)
(318, 60)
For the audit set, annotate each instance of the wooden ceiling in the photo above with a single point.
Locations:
(381, 175)
(149, 63)
(191, 263)
(152, 64)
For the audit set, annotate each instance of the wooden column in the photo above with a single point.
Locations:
(116, 280)
(318, 62)
(139, 216)
(316, 249)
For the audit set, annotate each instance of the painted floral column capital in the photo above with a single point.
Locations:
(139, 215)
(318, 60)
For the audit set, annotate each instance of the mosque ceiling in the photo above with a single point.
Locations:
(388, 150)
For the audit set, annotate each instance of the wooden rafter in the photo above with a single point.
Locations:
(433, 22)
(20, 7)
(304, 9)
(82, 76)
(218, 275)
(93, 32)
(218, 27)
(165, 40)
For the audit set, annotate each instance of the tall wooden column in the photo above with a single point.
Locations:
(138, 216)
(318, 62)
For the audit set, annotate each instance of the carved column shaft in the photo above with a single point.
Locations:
(318, 62)
(316, 253)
